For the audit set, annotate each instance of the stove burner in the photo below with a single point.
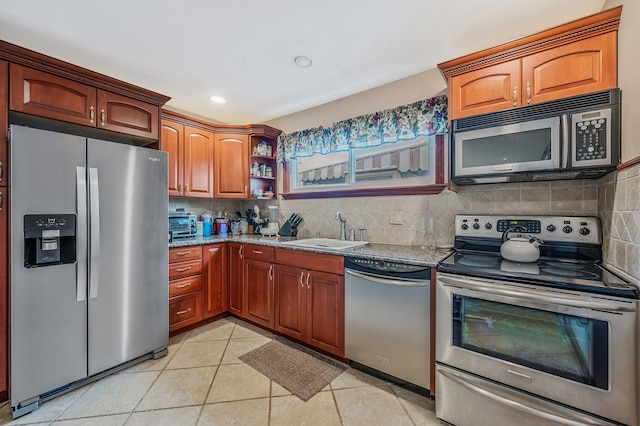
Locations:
(478, 261)
(569, 272)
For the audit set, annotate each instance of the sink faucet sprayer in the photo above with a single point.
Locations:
(343, 226)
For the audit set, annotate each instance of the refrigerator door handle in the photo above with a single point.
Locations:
(81, 242)
(94, 226)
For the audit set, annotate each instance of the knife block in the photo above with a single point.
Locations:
(288, 229)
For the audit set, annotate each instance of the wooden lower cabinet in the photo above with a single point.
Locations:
(215, 279)
(309, 304)
(185, 286)
(236, 280)
(4, 302)
(258, 285)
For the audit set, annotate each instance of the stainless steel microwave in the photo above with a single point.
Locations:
(571, 138)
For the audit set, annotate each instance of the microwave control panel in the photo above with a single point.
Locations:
(592, 137)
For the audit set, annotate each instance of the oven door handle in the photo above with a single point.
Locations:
(523, 294)
(387, 281)
(520, 401)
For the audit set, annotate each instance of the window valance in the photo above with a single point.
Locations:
(422, 118)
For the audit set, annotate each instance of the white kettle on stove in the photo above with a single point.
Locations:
(520, 248)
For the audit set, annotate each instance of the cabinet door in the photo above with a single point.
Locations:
(485, 90)
(215, 279)
(4, 125)
(4, 241)
(291, 302)
(125, 115)
(325, 311)
(236, 279)
(38, 93)
(171, 141)
(581, 67)
(231, 166)
(258, 283)
(198, 163)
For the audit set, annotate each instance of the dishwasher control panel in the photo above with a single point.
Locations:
(394, 270)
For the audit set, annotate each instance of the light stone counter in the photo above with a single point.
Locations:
(387, 252)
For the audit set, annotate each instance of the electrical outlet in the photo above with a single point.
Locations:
(395, 217)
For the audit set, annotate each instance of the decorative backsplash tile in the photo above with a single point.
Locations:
(614, 198)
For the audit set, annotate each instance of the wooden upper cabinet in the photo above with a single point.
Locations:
(39, 93)
(231, 166)
(198, 162)
(4, 124)
(581, 67)
(485, 90)
(171, 141)
(572, 59)
(121, 114)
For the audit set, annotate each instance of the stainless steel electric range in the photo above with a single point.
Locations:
(542, 343)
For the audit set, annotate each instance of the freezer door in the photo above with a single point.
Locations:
(48, 309)
(128, 271)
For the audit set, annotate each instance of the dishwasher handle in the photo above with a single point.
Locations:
(386, 280)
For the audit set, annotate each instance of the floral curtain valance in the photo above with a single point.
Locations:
(422, 118)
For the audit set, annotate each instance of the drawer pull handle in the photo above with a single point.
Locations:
(271, 273)
(257, 251)
(103, 117)
(183, 253)
(241, 253)
(301, 276)
(183, 312)
(183, 269)
(183, 285)
(92, 114)
(308, 280)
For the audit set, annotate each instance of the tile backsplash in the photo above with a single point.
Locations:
(619, 207)
(615, 198)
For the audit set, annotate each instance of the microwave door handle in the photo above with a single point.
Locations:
(566, 142)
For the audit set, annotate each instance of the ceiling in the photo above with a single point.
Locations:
(243, 50)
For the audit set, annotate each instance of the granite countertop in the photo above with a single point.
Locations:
(388, 252)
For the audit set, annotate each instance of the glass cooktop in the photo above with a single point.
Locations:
(568, 274)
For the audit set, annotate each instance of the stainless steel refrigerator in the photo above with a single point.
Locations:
(89, 256)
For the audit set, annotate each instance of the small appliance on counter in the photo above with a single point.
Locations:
(271, 229)
(290, 227)
(182, 225)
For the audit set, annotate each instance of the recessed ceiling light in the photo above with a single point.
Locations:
(303, 60)
(218, 99)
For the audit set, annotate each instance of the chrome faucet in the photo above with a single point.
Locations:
(343, 226)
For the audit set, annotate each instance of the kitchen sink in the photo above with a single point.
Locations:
(326, 243)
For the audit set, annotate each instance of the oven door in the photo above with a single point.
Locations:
(519, 147)
(574, 348)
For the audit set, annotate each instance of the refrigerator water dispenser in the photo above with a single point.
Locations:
(49, 239)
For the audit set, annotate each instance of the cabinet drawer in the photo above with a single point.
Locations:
(185, 285)
(185, 269)
(314, 261)
(180, 254)
(185, 310)
(258, 252)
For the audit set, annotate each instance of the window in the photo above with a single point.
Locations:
(396, 151)
(407, 162)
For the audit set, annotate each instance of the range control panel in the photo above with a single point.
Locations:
(574, 229)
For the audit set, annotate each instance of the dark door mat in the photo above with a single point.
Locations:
(299, 370)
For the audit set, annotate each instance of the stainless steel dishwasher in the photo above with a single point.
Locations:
(387, 318)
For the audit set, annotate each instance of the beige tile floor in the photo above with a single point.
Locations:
(202, 382)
